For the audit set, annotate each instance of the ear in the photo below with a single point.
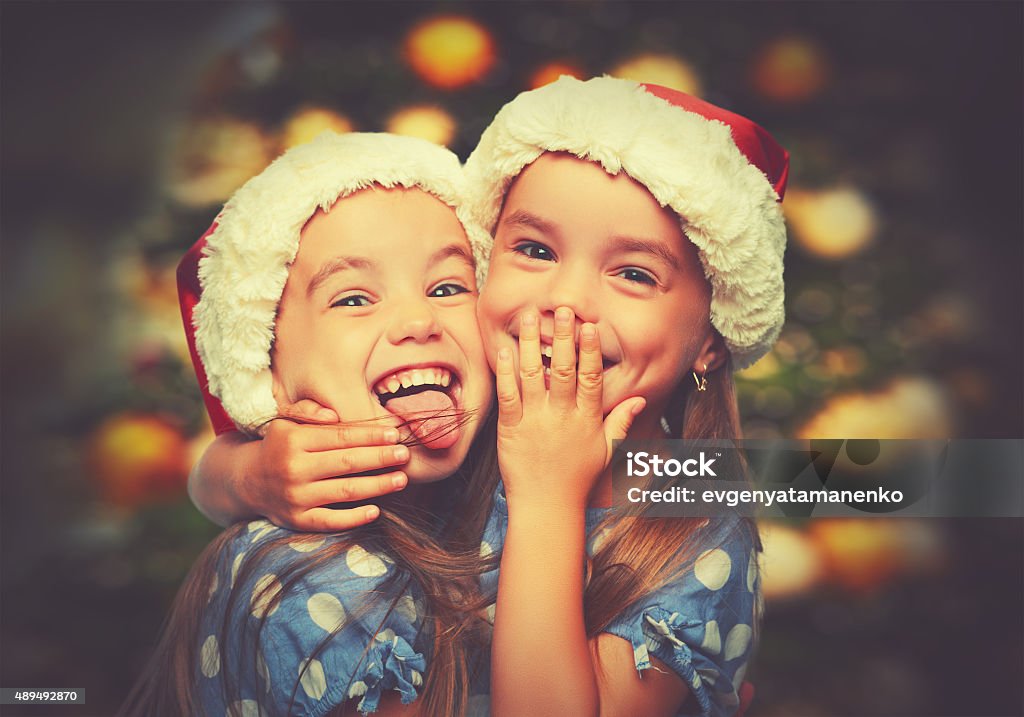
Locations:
(712, 354)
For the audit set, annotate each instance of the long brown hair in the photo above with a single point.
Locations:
(638, 555)
(442, 565)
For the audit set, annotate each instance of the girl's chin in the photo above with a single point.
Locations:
(429, 466)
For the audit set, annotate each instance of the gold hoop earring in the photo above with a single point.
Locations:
(702, 382)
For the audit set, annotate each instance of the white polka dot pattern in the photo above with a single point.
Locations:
(245, 708)
(307, 544)
(235, 566)
(264, 594)
(364, 564)
(737, 642)
(406, 608)
(386, 635)
(326, 611)
(313, 680)
(712, 638)
(209, 657)
(712, 568)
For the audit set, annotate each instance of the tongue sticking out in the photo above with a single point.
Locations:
(430, 415)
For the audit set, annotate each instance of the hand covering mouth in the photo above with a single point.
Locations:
(426, 399)
(546, 351)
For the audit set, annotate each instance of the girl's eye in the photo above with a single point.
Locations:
(444, 290)
(534, 250)
(638, 276)
(353, 300)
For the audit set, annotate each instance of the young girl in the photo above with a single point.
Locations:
(341, 277)
(651, 219)
(646, 223)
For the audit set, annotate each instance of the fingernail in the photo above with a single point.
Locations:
(563, 315)
(390, 435)
(400, 453)
(528, 320)
(398, 481)
(372, 512)
(638, 406)
(588, 331)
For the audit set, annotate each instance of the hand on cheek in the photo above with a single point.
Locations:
(306, 460)
(554, 442)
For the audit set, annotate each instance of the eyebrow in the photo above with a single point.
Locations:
(335, 265)
(646, 246)
(523, 218)
(348, 263)
(453, 250)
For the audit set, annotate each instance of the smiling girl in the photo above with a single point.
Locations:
(341, 278)
(640, 228)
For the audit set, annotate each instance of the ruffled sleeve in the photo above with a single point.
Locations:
(326, 637)
(702, 625)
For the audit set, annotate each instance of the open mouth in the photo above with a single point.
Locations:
(426, 399)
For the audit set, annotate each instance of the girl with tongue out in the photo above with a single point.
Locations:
(638, 229)
(341, 280)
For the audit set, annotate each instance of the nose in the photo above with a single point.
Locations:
(414, 320)
(575, 287)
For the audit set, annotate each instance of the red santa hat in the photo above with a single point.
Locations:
(245, 260)
(721, 173)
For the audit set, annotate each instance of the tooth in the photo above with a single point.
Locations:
(446, 378)
(393, 385)
(406, 380)
(417, 378)
(430, 376)
(546, 351)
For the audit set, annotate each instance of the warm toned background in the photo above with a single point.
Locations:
(125, 126)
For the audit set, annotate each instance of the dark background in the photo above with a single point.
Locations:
(125, 126)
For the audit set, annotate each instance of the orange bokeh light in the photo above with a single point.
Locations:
(450, 51)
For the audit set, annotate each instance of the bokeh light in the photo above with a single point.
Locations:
(656, 69)
(308, 122)
(550, 72)
(790, 69)
(909, 407)
(831, 224)
(137, 458)
(216, 157)
(791, 564)
(450, 52)
(425, 121)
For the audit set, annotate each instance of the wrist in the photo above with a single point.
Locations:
(240, 480)
(541, 508)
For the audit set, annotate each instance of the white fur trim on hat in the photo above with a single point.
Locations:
(245, 267)
(726, 205)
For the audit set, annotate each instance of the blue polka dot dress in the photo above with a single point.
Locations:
(701, 624)
(293, 665)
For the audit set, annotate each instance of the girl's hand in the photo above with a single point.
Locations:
(554, 443)
(303, 467)
(296, 469)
